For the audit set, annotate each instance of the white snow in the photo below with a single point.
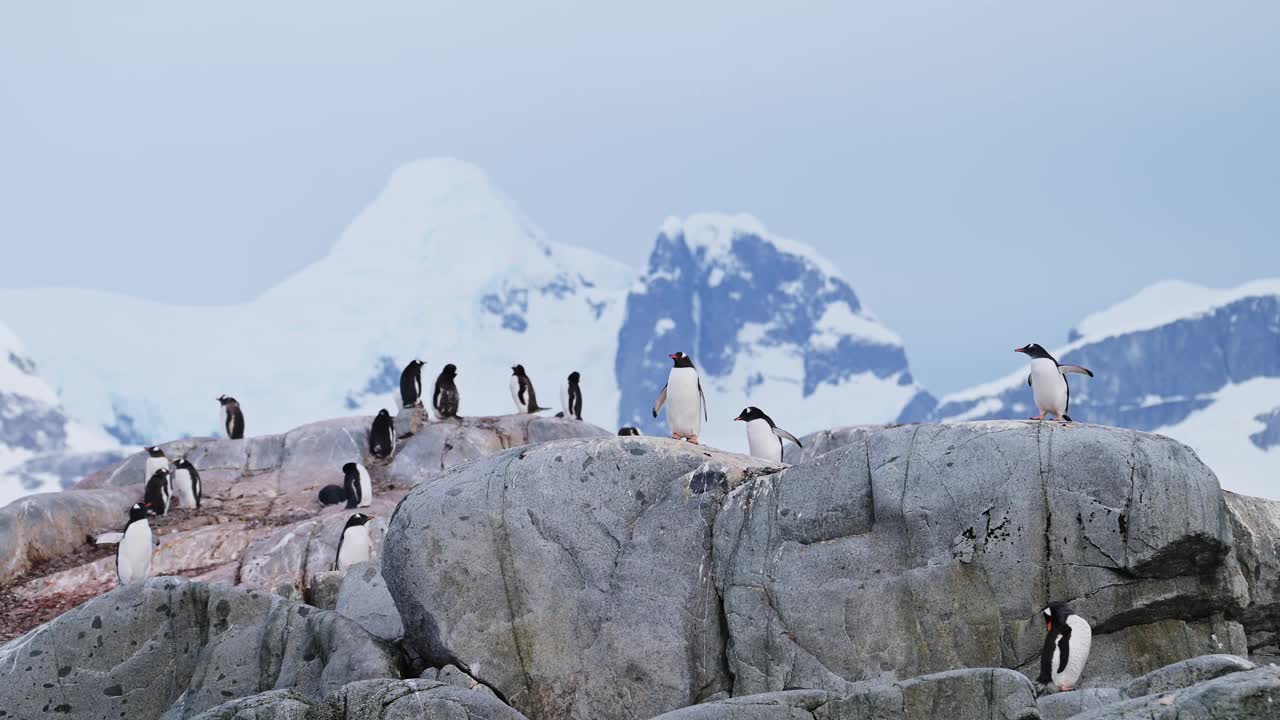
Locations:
(663, 326)
(839, 320)
(714, 234)
(1166, 302)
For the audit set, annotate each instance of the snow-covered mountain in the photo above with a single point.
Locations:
(768, 322)
(1197, 364)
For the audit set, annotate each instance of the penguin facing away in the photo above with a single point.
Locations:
(354, 544)
(1048, 382)
(233, 419)
(445, 397)
(358, 486)
(159, 492)
(133, 553)
(686, 404)
(411, 384)
(1067, 640)
(186, 484)
(764, 439)
(571, 396)
(382, 436)
(522, 392)
(628, 431)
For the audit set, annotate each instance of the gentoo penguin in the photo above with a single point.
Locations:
(354, 545)
(627, 431)
(358, 486)
(1066, 647)
(233, 419)
(382, 436)
(1049, 383)
(158, 493)
(445, 397)
(763, 437)
(411, 384)
(186, 483)
(133, 554)
(571, 396)
(155, 460)
(522, 393)
(686, 405)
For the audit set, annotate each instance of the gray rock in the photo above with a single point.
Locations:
(1249, 695)
(44, 526)
(824, 441)
(978, 693)
(169, 648)
(1256, 525)
(1185, 674)
(299, 552)
(271, 705)
(411, 700)
(364, 598)
(574, 576)
(918, 549)
(782, 705)
(1063, 705)
(324, 588)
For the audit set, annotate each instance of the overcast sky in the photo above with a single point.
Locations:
(985, 173)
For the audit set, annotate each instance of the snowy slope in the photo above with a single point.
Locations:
(1197, 364)
(768, 322)
(441, 266)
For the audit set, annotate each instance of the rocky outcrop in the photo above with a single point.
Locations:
(364, 597)
(1256, 528)
(1252, 695)
(39, 528)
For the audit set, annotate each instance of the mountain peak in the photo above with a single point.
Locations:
(1163, 303)
(714, 233)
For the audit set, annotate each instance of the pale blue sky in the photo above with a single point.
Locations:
(985, 173)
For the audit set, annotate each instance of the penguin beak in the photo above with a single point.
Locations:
(1021, 350)
(739, 418)
(672, 356)
(1048, 625)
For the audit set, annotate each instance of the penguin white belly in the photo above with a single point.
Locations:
(1048, 386)
(133, 554)
(366, 487)
(763, 443)
(154, 464)
(515, 395)
(1078, 653)
(356, 547)
(564, 399)
(184, 488)
(684, 402)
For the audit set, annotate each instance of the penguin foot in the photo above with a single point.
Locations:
(674, 436)
(1038, 417)
(694, 439)
(1065, 688)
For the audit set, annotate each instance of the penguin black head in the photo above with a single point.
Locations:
(1056, 615)
(183, 464)
(680, 360)
(357, 520)
(154, 451)
(383, 413)
(449, 370)
(139, 511)
(416, 363)
(752, 413)
(349, 467)
(517, 370)
(226, 399)
(1034, 351)
(627, 431)
(574, 377)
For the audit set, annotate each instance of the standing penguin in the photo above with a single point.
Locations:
(445, 397)
(186, 483)
(358, 486)
(411, 384)
(1048, 382)
(133, 554)
(686, 405)
(159, 492)
(1066, 647)
(354, 545)
(571, 396)
(382, 436)
(522, 393)
(764, 439)
(155, 460)
(233, 419)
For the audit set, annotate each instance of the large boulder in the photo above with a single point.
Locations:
(1256, 526)
(39, 528)
(923, 548)
(270, 705)
(412, 700)
(573, 576)
(168, 648)
(364, 597)
(1185, 674)
(1251, 695)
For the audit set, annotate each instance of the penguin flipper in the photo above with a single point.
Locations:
(109, 538)
(1028, 380)
(662, 400)
(703, 399)
(1064, 369)
(1064, 650)
(786, 435)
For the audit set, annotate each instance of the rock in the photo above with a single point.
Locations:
(573, 576)
(985, 693)
(924, 548)
(1249, 695)
(782, 705)
(824, 441)
(1063, 705)
(411, 700)
(409, 421)
(364, 598)
(323, 589)
(1256, 525)
(38, 528)
(1185, 674)
(271, 705)
(172, 648)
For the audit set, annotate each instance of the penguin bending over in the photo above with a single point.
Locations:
(159, 492)
(133, 553)
(359, 488)
(686, 405)
(764, 439)
(522, 392)
(354, 545)
(186, 483)
(233, 419)
(382, 436)
(571, 396)
(628, 431)
(1066, 647)
(1048, 382)
(445, 397)
(411, 384)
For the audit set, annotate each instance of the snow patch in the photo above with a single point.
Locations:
(1166, 302)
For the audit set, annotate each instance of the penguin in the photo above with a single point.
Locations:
(628, 431)
(1048, 382)
(332, 494)
(688, 406)
(155, 460)
(133, 553)
(186, 483)
(445, 397)
(382, 436)
(159, 492)
(1066, 647)
(571, 396)
(354, 545)
(763, 437)
(233, 419)
(411, 384)
(522, 393)
(358, 486)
